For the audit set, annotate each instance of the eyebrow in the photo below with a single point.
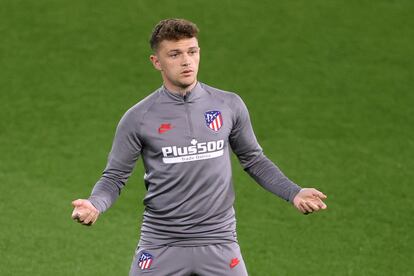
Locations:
(179, 50)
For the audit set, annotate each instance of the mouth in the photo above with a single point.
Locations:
(186, 72)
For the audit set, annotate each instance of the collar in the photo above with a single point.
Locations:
(190, 96)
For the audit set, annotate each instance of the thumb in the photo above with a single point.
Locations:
(77, 203)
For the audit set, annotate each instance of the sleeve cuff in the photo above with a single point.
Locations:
(98, 204)
(293, 194)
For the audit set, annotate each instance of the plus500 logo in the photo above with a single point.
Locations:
(196, 148)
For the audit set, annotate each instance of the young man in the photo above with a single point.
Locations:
(184, 132)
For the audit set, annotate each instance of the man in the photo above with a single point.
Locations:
(184, 132)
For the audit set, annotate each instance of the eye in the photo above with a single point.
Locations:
(174, 55)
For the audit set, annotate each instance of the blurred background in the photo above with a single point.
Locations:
(329, 89)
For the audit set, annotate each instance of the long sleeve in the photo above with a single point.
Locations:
(244, 144)
(125, 151)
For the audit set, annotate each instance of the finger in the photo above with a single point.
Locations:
(81, 214)
(76, 217)
(300, 208)
(89, 217)
(95, 218)
(306, 207)
(77, 203)
(321, 204)
(76, 214)
(304, 211)
(312, 205)
(319, 194)
(86, 224)
(85, 215)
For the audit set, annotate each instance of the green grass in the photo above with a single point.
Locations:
(329, 88)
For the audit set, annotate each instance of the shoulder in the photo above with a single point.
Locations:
(226, 96)
(137, 112)
(231, 98)
(140, 108)
(146, 103)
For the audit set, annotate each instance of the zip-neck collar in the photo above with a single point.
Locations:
(190, 96)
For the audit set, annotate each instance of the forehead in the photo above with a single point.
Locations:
(182, 44)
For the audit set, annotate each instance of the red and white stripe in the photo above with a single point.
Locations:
(216, 123)
(145, 264)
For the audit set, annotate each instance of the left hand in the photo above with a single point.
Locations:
(309, 200)
(84, 212)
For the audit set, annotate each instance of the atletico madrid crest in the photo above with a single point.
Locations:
(214, 120)
(145, 260)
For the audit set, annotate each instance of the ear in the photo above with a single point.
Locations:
(156, 62)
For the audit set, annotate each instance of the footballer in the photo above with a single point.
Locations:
(184, 131)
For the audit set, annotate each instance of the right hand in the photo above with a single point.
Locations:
(84, 212)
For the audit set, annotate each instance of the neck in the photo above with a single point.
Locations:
(178, 89)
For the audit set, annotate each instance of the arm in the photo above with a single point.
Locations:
(244, 144)
(125, 151)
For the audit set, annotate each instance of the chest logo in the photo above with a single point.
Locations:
(195, 152)
(214, 120)
(164, 128)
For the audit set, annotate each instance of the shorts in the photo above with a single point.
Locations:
(222, 259)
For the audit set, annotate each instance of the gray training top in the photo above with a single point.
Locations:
(185, 145)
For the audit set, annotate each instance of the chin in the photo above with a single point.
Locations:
(186, 84)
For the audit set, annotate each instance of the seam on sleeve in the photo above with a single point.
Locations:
(146, 111)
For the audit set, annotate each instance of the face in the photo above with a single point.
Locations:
(178, 63)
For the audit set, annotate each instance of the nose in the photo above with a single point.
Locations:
(186, 61)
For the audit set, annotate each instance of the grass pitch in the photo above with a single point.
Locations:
(329, 88)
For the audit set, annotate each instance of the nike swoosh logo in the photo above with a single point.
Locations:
(164, 128)
(234, 262)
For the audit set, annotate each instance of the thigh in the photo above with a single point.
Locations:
(161, 261)
(219, 260)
